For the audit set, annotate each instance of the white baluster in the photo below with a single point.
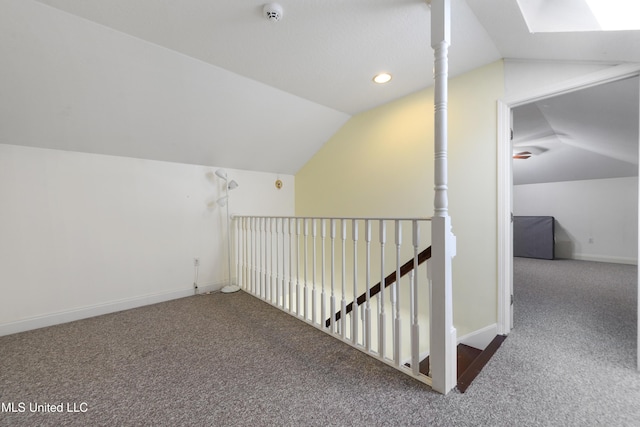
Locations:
(272, 273)
(415, 336)
(298, 267)
(314, 233)
(261, 259)
(367, 306)
(238, 256)
(354, 311)
(253, 255)
(291, 284)
(267, 258)
(240, 252)
(333, 276)
(277, 283)
(430, 282)
(273, 249)
(245, 254)
(284, 264)
(343, 317)
(395, 297)
(306, 243)
(382, 321)
(265, 255)
(323, 297)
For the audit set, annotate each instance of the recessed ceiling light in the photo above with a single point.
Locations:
(382, 78)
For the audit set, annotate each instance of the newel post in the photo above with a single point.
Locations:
(443, 334)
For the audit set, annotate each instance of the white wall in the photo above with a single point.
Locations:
(595, 219)
(381, 164)
(85, 234)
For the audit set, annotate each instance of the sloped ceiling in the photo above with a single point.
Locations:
(271, 93)
(588, 134)
(323, 51)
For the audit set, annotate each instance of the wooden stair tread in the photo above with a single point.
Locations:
(470, 361)
(466, 355)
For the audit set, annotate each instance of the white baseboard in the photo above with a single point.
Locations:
(605, 258)
(100, 309)
(481, 338)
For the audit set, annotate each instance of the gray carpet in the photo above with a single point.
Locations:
(232, 360)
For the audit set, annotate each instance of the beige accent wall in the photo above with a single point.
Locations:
(380, 163)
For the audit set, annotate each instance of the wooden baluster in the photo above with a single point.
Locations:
(382, 321)
(333, 276)
(367, 306)
(395, 297)
(343, 318)
(354, 312)
(314, 234)
(415, 337)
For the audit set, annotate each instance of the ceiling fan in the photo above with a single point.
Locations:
(522, 155)
(546, 138)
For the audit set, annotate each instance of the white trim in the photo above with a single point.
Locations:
(605, 258)
(481, 338)
(505, 196)
(505, 207)
(99, 309)
(597, 78)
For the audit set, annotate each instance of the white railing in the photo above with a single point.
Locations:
(314, 268)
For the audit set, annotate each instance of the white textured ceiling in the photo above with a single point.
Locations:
(324, 53)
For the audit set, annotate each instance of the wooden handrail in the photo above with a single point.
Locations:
(391, 278)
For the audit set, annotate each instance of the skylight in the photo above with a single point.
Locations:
(580, 15)
(616, 15)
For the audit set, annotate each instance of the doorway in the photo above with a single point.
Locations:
(505, 177)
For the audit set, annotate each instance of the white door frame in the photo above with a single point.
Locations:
(505, 177)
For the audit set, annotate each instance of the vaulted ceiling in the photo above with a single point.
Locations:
(316, 64)
(588, 134)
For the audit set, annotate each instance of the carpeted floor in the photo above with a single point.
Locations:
(232, 360)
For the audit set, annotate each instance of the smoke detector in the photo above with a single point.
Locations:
(272, 11)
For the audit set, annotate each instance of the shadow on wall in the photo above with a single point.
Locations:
(564, 242)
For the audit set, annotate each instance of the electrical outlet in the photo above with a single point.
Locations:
(196, 262)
